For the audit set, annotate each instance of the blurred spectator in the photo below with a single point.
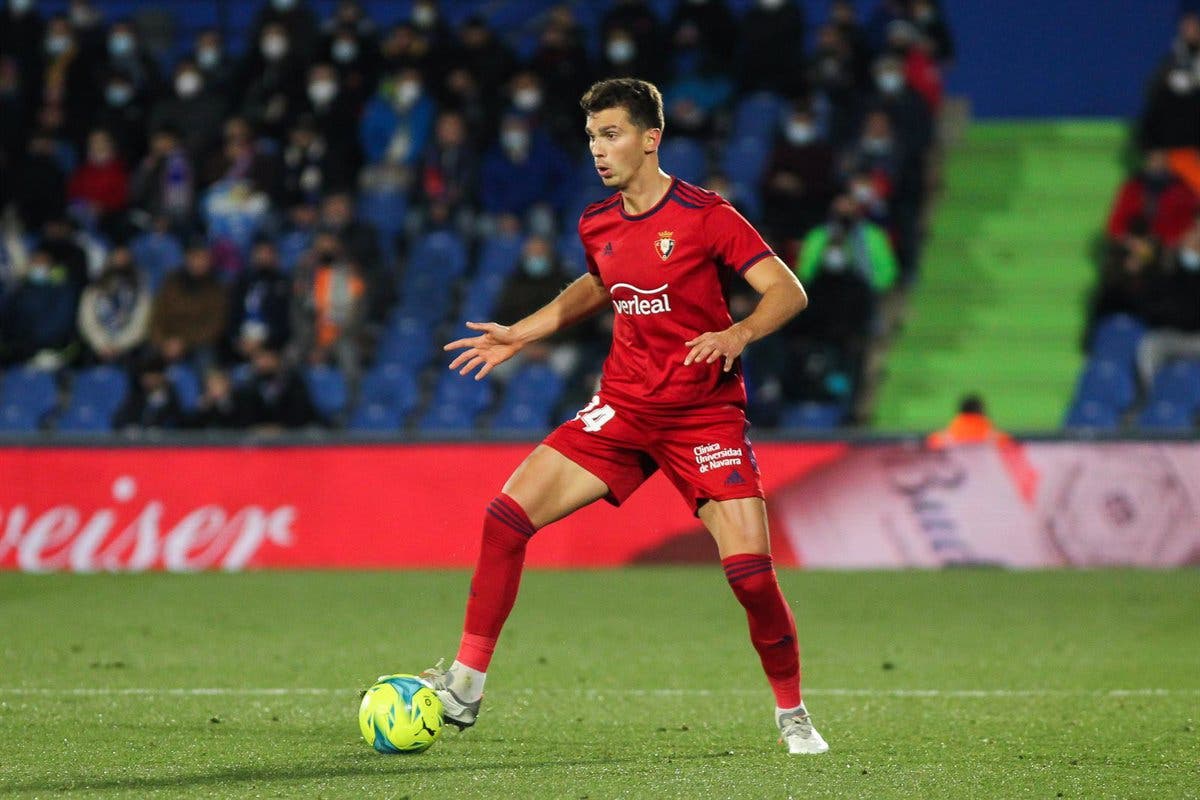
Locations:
(242, 161)
(360, 241)
(248, 185)
(930, 20)
(67, 81)
(450, 173)
(188, 318)
(1172, 310)
(260, 311)
(428, 21)
(307, 160)
(350, 16)
(405, 47)
(920, 71)
(799, 181)
(62, 242)
(770, 48)
(1157, 197)
(22, 33)
(355, 56)
(715, 25)
(833, 74)
(969, 426)
(1171, 117)
(696, 91)
(114, 311)
(125, 54)
(1128, 275)
(294, 19)
(151, 402)
(843, 19)
(14, 133)
(330, 323)
(489, 60)
(524, 176)
(164, 184)
(194, 109)
(334, 114)
(849, 243)
(274, 82)
(39, 184)
(460, 93)
(37, 317)
(99, 189)
(275, 396)
(123, 115)
(910, 116)
(561, 60)
(87, 22)
(623, 58)
(213, 60)
(633, 38)
(217, 406)
(397, 124)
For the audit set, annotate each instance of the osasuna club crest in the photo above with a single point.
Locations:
(664, 245)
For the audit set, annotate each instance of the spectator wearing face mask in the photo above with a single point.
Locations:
(151, 403)
(187, 320)
(275, 397)
(800, 180)
(525, 176)
(114, 311)
(489, 59)
(295, 20)
(450, 173)
(561, 61)
(274, 92)
(849, 243)
(39, 184)
(359, 240)
(623, 58)
(99, 188)
(124, 115)
(194, 108)
(67, 82)
(1157, 197)
(124, 53)
(770, 48)
(333, 113)
(930, 19)
(331, 315)
(214, 62)
(920, 70)
(1173, 311)
(834, 75)
(37, 317)
(355, 57)
(633, 37)
(696, 91)
(1170, 119)
(715, 24)
(261, 301)
(910, 116)
(164, 184)
(398, 121)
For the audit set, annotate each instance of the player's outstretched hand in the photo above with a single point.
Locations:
(495, 346)
(708, 347)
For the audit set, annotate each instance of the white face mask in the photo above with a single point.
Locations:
(120, 44)
(424, 16)
(118, 94)
(515, 141)
(20, 6)
(274, 47)
(800, 132)
(322, 92)
(407, 93)
(527, 99)
(835, 259)
(57, 45)
(188, 84)
(1179, 81)
(876, 146)
(890, 82)
(621, 51)
(344, 51)
(283, 5)
(208, 57)
(1189, 260)
(771, 5)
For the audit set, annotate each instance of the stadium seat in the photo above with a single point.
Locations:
(407, 341)
(386, 211)
(441, 253)
(813, 416)
(536, 384)
(15, 418)
(447, 419)
(1178, 382)
(685, 159)
(499, 255)
(463, 392)
(1164, 415)
(1109, 382)
(758, 116)
(570, 250)
(187, 385)
(327, 386)
(391, 385)
(745, 159)
(1116, 338)
(85, 418)
(1092, 415)
(31, 390)
(156, 254)
(483, 293)
(101, 388)
(377, 417)
(517, 417)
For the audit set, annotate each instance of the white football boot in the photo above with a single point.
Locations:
(458, 712)
(796, 729)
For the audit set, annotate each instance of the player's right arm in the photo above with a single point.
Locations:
(497, 343)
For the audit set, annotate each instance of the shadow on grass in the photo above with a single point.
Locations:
(365, 766)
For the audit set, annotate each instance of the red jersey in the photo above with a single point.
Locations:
(669, 271)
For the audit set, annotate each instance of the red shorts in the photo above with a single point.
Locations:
(704, 453)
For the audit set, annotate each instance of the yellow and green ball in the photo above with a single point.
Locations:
(400, 714)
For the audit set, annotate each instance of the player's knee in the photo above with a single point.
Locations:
(506, 525)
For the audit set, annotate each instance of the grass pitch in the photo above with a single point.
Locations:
(631, 683)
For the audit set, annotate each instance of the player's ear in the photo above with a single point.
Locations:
(651, 139)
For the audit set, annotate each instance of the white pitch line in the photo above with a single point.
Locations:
(101, 691)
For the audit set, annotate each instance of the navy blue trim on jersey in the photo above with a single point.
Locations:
(754, 260)
(605, 205)
(678, 198)
(657, 206)
(694, 194)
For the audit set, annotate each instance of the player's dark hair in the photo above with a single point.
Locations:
(640, 98)
(971, 404)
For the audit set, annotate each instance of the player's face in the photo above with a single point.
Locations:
(619, 148)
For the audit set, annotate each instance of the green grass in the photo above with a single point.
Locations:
(630, 683)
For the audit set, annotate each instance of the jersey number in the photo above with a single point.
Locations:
(594, 415)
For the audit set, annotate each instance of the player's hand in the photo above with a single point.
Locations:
(710, 346)
(495, 346)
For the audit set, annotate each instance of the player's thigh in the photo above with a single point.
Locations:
(738, 526)
(549, 486)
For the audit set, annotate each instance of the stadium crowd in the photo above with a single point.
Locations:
(197, 233)
(1144, 319)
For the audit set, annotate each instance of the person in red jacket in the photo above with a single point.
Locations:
(100, 186)
(1157, 196)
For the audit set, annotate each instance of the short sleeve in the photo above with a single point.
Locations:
(733, 241)
(587, 252)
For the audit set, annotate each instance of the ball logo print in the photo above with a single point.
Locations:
(400, 714)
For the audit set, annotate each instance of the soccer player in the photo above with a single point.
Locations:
(662, 254)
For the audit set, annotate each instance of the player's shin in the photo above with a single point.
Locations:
(772, 627)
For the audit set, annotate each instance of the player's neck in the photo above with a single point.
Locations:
(645, 191)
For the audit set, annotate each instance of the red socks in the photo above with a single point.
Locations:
(772, 627)
(506, 532)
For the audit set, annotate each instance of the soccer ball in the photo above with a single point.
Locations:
(400, 714)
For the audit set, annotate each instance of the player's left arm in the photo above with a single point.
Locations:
(782, 297)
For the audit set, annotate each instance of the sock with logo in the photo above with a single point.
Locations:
(772, 627)
(506, 532)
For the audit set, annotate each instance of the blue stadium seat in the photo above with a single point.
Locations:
(386, 211)
(327, 386)
(1109, 382)
(758, 116)
(483, 293)
(15, 418)
(187, 385)
(101, 388)
(1093, 415)
(448, 419)
(1164, 415)
(814, 416)
(537, 384)
(378, 417)
(1116, 338)
(85, 418)
(391, 385)
(156, 254)
(685, 159)
(408, 341)
(463, 392)
(31, 390)
(521, 418)
(745, 159)
(442, 253)
(1179, 383)
(499, 255)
